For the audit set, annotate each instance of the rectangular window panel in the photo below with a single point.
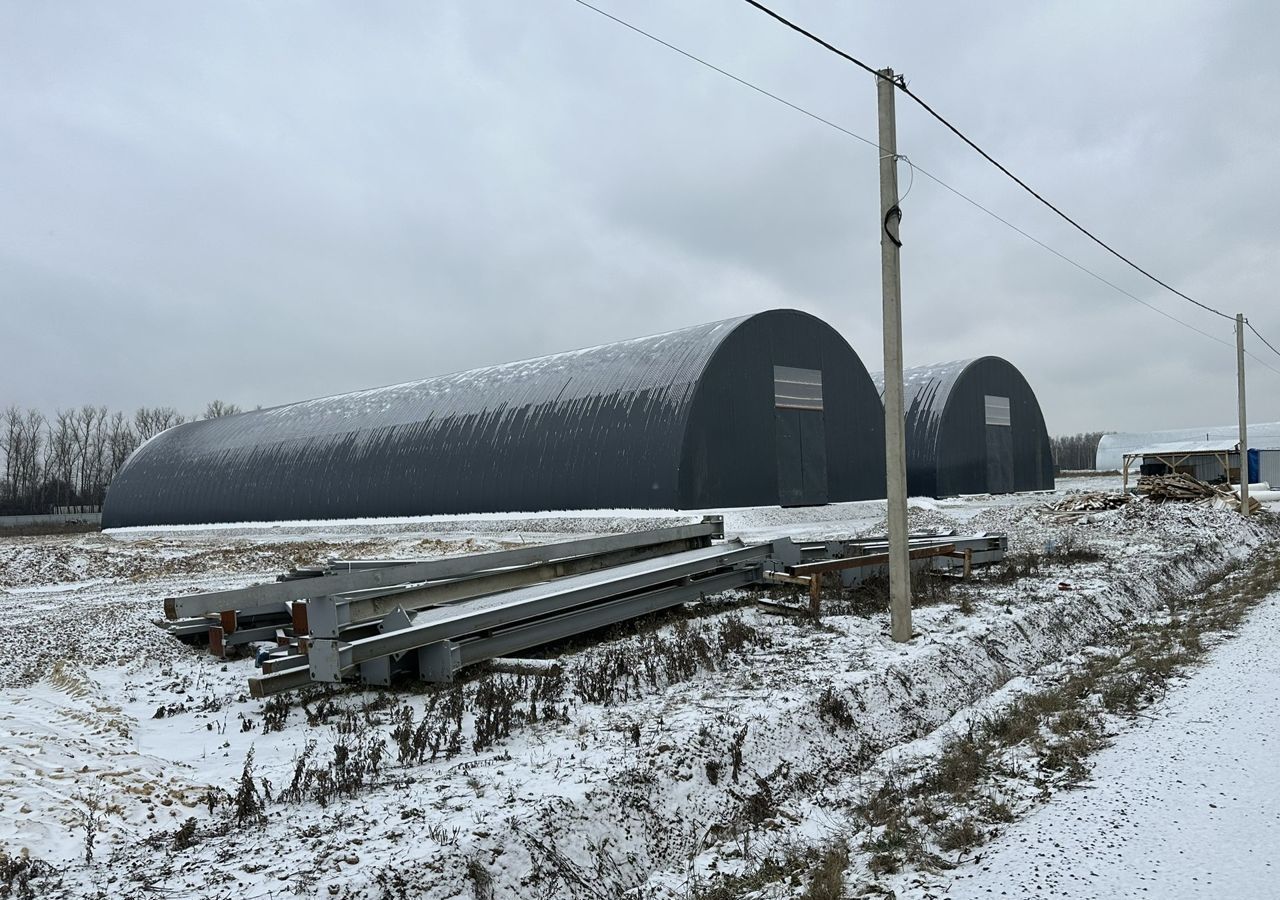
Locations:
(997, 410)
(797, 388)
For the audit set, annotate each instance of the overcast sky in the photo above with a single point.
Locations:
(264, 202)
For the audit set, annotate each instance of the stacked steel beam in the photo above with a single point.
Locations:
(368, 620)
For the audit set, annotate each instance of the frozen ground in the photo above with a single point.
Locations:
(1183, 805)
(644, 787)
(834, 520)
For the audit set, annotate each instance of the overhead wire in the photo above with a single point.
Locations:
(730, 75)
(1067, 259)
(913, 166)
(1261, 362)
(901, 84)
(1259, 336)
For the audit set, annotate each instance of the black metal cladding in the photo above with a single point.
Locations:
(681, 420)
(973, 426)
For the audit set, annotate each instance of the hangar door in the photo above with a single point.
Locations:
(999, 445)
(801, 436)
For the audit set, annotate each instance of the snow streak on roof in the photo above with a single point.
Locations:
(679, 419)
(662, 366)
(942, 376)
(451, 436)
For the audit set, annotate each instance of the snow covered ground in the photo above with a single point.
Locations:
(1182, 805)
(640, 775)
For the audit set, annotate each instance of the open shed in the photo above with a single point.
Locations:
(1209, 461)
(1112, 447)
(772, 408)
(973, 426)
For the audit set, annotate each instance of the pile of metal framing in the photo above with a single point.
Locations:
(366, 620)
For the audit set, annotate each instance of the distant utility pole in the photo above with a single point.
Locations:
(1244, 425)
(894, 413)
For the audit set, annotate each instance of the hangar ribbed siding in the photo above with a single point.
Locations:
(678, 420)
(951, 447)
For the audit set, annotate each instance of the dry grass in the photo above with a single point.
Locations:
(21, 876)
(653, 660)
(1045, 739)
(834, 708)
(49, 529)
(872, 595)
(820, 868)
(827, 879)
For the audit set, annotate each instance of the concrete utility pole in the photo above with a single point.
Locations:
(894, 413)
(1244, 426)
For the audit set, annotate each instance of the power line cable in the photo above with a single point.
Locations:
(1100, 278)
(901, 84)
(1261, 362)
(730, 75)
(1062, 256)
(914, 167)
(1261, 338)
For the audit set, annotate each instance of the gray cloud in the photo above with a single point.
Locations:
(268, 202)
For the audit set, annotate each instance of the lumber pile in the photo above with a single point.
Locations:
(1180, 488)
(1081, 505)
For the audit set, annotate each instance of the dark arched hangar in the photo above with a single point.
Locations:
(772, 408)
(973, 426)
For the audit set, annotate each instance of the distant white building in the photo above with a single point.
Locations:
(1211, 461)
(1113, 447)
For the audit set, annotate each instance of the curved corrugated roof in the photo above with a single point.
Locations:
(373, 440)
(662, 367)
(947, 442)
(925, 392)
(601, 427)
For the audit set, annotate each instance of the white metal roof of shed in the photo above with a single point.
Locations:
(1112, 447)
(1184, 447)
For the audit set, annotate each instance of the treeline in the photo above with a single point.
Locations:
(1076, 451)
(70, 459)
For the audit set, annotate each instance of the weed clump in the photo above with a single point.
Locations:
(871, 596)
(621, 672)
(827, 882)
(247, 800)
(495, 708)
(834, 708)
(275, 712)
(17, 872)
(961, 836)
(185, 836)
(1015, 566)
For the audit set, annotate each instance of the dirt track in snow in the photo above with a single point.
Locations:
(1184, 804)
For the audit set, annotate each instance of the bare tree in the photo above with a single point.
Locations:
(73, 459)
(150, 421)
(217, 409)
(14, 445)
(13, 433)
(31, 469)
(1076, 451)
(61, 456)
(90, 449)
(122, 440)
(70, 460)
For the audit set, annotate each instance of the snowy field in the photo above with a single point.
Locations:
(664, 760)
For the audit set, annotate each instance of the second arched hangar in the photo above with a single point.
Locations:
(973, 426)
